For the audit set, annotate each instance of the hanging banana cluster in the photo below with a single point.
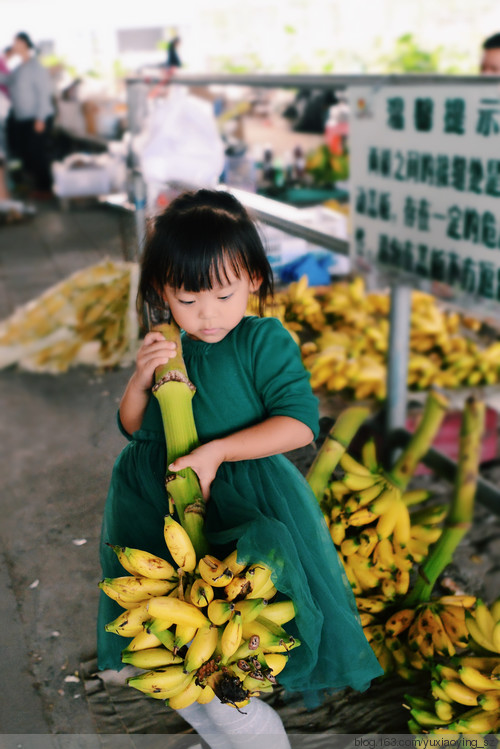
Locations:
(465, 692)
(202, 630)
(351, 351)
(371, 525)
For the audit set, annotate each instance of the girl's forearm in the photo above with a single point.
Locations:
(278, 434)
(133, 405)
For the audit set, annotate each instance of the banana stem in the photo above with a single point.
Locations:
(334, 447)
(459, 518)
(434, 411)
(174, 393)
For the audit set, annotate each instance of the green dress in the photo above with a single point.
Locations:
(263, 506)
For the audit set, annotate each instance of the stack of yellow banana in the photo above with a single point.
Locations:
(465, 693)
(351, 350)
(378, 538)
(202, 630)
(89, 318)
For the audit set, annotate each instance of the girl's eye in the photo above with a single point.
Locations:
(228, 296)
(186, 301)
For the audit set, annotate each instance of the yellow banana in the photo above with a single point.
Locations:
(371, 604)
(490, 701)
(237, 588)
(481, 662)
(130, 622)
(150, 657)
(231, 562)
(368, 495)
(201, 648)
(495, 636)
(474, 679)
(361, 517)
(232, 635)
(386, 522)
(143, 641)
(186, 696)
(369, 455)
(129, 590)
(214, 572)
(219, 611)
(179, 544)
(453, 619)
(399, 622)
(250, 608)
(389, 588)
(462, 600)
(161, 629)
(495, 610)
(206, 695)
(268, 592)
(416, 496)
(427, 533)
(337, 531)
(368, 539)
(484, 619)
(179, 612)
(143, 564)
(385, 502)
(259, 576)
(383, 554)
(165, 681)
(201, 593)
(476, 633)
(280, 612)
(402, 582)
(458, 692)
(356, 483)
(444, 710)
(184, 633)
(481, 722)
(438, 692)
(270, 635)
(430, 515)
(350, 465)
(276, 662)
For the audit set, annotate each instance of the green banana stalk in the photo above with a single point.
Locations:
(334, 447)
(174, 393)
(462, 504)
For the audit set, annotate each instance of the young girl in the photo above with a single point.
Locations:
(252, 402)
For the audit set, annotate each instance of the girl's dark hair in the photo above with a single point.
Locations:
(192, 242)
(24, 37)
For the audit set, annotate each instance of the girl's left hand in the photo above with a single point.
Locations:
(204, 460)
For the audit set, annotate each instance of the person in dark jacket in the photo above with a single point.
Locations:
(32, 113)
(173, 59)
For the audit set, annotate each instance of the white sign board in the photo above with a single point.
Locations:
(425, 186)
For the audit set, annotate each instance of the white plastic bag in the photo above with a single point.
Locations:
(182, 141)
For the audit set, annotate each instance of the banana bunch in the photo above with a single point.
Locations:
(370, 523)
(351, 351)
(465, 698)
(483, 626)
(88, 318)
(201, 629)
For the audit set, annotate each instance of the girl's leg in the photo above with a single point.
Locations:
(197, 716)
(241, 730)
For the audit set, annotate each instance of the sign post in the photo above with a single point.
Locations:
(425, 201)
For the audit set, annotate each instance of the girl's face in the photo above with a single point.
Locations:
(211, 314)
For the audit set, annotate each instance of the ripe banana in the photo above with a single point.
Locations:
(141, 563)
(232, 635)
(237, 588)
(231, 562)
(474, 679)
(458, 692)
(280, 612)
(179, 544)
(350, 465)
(250, 608)
(130, 622)
(214, 572)
(186, 696)
(164, 682)
(129, 590)
(184, 633)
(219, 611)
(150, 657)
(179, 612)
(206, 695)
(201, 648)
(201, 593)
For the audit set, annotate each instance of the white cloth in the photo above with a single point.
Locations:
(223, 727)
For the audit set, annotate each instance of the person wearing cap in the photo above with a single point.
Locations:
(30, 91)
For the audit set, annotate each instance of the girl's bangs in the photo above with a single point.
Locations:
(201, 266)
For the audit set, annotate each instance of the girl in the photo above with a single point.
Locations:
(253, 401)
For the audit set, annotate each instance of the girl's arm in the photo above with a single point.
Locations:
(155, 350)
(275, 435)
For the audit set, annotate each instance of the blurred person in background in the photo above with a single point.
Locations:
(4, 119)
(490, 58)
(173, 59)
(32, 113)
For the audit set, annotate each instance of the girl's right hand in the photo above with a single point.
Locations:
(154, 352)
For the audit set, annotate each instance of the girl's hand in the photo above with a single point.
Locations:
(155, 351)
(204, 460)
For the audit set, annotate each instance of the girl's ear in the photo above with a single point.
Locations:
(255, 283)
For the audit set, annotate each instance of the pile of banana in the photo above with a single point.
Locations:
(89, 318)
(377, 536)
(465, 692)
(350, 353)
(202, 630)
